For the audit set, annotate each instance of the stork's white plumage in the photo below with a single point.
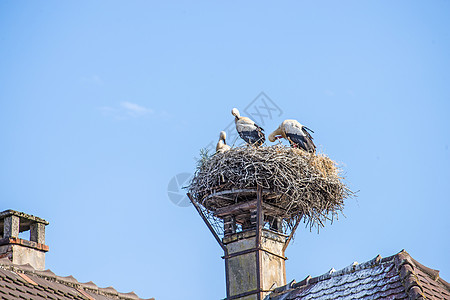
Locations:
(222, 144)
(296, 134)
(248, 130)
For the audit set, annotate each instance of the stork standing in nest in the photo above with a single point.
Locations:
(296, 134)
(248, 130)
(222, 144)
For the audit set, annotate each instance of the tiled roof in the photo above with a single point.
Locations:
(395, 277)
(23, 281)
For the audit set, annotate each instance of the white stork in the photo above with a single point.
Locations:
(296, 134)
(248, 130)
(222, 144)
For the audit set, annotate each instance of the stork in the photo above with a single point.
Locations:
(222, 144)
(296, 134)
(248, 130)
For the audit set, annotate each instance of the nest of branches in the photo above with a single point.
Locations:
(300, 184)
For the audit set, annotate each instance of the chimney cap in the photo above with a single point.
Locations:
(21, 215)
(25, 219)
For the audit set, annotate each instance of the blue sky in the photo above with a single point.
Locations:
(103, 102)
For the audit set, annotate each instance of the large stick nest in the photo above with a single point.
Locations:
(301, 184)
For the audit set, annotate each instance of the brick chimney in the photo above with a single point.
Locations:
(18, 250)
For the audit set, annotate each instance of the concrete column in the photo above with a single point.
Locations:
(242, 266)
(11, 227)
(37, 233)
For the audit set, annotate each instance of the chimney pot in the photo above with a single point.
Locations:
(18, 250)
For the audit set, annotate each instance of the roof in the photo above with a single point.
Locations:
(23, 281)
(395, 277)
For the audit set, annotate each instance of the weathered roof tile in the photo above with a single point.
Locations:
(90, 286)
(130, 295)
(26, 268)
(23, 281)
(395, 277)
(47, 273)
(67, 279)
(108, 291)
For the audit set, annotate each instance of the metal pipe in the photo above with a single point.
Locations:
(225, 250)
(259, 223)
(250, 251)
(286, 244)
(207, 222)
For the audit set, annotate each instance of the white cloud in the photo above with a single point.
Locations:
(134, 109)
(125, 110)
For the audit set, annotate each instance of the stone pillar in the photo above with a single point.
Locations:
(242, 264)
(37, 233)
(11, 227)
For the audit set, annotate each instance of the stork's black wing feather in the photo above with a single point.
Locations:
(308, 129)
(304, 142)
(254, 137)
(307, 133)
(259, 127)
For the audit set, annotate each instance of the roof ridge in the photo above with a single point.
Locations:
(406, 266)
(130, 295)
(401, 274)
(355, 266)
(69, 280)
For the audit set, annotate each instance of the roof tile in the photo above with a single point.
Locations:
(67, 279)
(47, 273)
(303, 282)
(98, 296)
(30, 291)
(89, 285)
(130, 295)
(5, 261)
(41, 294)
(25, 282)
(108, 291)
(26, 268)
(26, 279)
(395, 277)
(84, 293)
